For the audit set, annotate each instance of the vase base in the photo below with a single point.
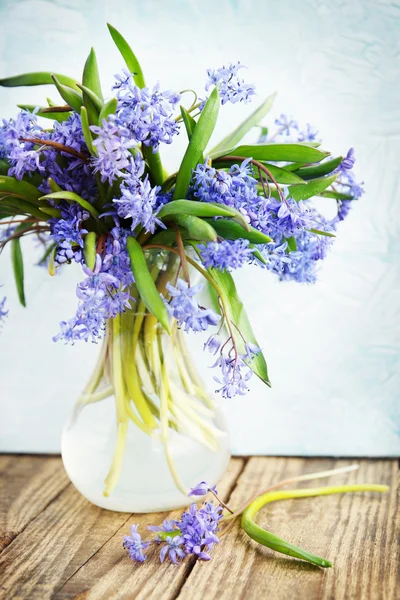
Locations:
(145, 483)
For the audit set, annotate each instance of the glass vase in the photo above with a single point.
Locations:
(144, 430)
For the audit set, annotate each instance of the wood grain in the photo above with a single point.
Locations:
(61, 547)
(27, 485)
(110, 574)
(356, 531)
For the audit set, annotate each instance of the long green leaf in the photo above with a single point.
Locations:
(90, 77)
(198, 142)
(197, 209)
(87, 134)
(128, 55)
(231, 230)
(237, 314)
(90, 250)
(145, 284)
(19, 206)
(94, 99)
(38, 78)
(70, 96)
(188, 121)
(4, 166)
(22, 189)
(18, 266)
(197, 228)
(109, 108)
(313, 188)
(336, 195)
(72, 197)
(325, 233)
(231, 140)
(279, 152)
(319, 170)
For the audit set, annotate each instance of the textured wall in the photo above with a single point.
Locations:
(333, 348)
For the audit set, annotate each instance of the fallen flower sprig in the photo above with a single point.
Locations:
(196, 531)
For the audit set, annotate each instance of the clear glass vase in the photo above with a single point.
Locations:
(144, 430)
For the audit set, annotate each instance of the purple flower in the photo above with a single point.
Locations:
(225, 255)
(138, 202)
(173, 548)
(348, 162)
(201, 489)
(146, 113)
(232, 88)
(185, 309)
(134, 545)
(213, 344)
(112, 145)
(235, 375)
(237, 188)
(3, 312)
(168, 525)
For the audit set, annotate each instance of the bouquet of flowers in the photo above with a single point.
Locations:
(92, 189)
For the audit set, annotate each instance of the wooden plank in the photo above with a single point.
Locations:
(358, 532)
(111, 575)
(27, 485)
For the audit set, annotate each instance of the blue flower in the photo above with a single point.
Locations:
(146, 113)
(134, 545)
(225, 255)
(173, 548)
(185, 309)
(138, 201)
(232, 88)
(201, 489)
(112, 145)
(3, 312)
(168, 525)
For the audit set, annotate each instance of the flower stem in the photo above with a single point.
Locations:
(272, 541)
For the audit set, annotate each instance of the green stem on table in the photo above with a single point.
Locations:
(274, 542)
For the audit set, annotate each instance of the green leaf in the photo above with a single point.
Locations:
(87, 134)
(70, 96)
(279, 152)
(71, 197)
(231, 140)
(197, 228)
(90, 77)
(90, 250)
(197, 209)
(313, 188)
(237, 314)
(54, 187)
(22, 188)
(154, 163)
(4, 166)
(39, 78)
(282, 175)
(18, 265)
(20, 206)
(231, 230)
(336, 195)
(188, 121)
(94, 99)
(129, 57)
(320, 170)
(51, 212)
(145, 284)
(197, 144)
(319, 232)
(54, 116)
(292, 244)
(109, 108)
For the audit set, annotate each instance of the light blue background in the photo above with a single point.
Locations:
(333, 348)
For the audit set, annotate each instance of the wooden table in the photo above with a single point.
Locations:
(54, 544)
